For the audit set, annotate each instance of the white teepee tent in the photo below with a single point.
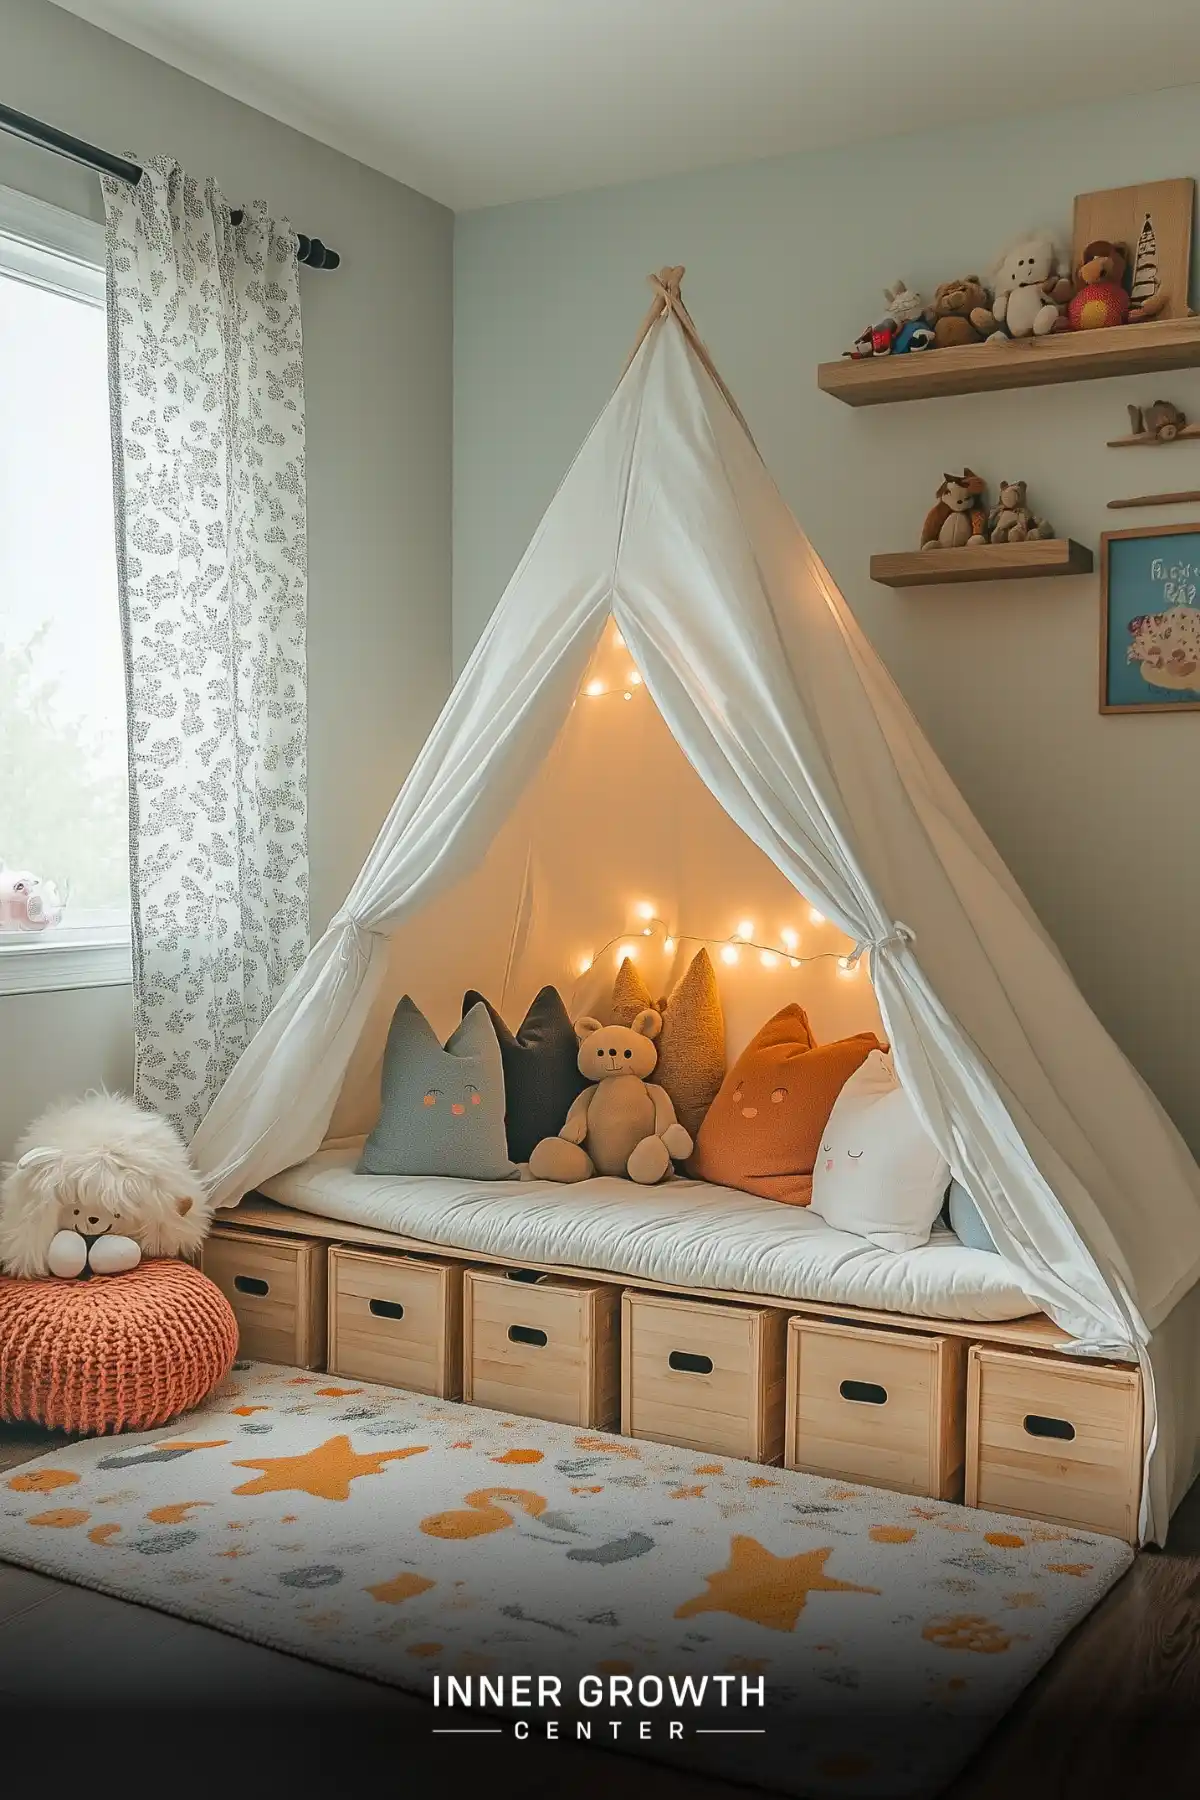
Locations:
(765, 703)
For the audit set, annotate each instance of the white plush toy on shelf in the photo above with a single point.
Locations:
(96, 1184)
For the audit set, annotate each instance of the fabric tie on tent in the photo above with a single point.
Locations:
(668, 523)
(900, 935)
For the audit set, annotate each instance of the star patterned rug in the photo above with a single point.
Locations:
(815, 1637)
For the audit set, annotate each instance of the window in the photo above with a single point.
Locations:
(63, 784)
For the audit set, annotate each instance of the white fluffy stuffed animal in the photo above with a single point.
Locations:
(1030, 291)
(95, 1183)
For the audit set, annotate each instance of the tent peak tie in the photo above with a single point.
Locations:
(668, 300)
(900, 934)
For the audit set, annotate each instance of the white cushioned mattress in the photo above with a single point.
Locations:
(683, 1233)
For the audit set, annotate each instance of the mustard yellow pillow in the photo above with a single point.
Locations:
(630, 995)
(691, 1049)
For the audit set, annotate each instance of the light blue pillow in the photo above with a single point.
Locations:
(443, 1106)
(965, 1221)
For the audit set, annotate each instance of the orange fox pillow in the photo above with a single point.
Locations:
(763, 1131)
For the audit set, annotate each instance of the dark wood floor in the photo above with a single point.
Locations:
(84, 1679)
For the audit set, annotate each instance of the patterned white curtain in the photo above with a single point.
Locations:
(208, 421)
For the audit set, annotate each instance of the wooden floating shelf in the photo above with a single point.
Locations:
(982, 562)
(1025, 362)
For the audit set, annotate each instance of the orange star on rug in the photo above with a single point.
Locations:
(766, 1589)
(325, 1472)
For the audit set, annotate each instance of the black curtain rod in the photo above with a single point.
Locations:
(310, 251)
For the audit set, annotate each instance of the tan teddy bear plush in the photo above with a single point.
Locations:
(1011, 521)
(622, 1124)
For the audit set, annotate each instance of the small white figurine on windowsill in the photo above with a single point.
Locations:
(96, 1184)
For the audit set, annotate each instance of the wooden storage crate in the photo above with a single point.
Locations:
(1055, 1439)
(543, 1346)
(396, 1319)
(879, 1406)
(276, 1287)
(704, 1375)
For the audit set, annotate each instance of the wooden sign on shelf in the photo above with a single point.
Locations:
(1153, 223)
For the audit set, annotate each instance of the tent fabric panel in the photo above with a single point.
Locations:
(668, 519)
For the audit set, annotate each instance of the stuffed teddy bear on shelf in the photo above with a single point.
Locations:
(961, 313)
(1100, 297)
(1030, 292)
(97, 1182)
(623, 1124)
(1011, 521)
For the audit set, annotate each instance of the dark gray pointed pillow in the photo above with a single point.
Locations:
(443, 1105)
(541, 1069)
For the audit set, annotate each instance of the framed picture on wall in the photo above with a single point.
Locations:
(1150, 620)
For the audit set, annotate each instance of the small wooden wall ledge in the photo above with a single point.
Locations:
(982, 562)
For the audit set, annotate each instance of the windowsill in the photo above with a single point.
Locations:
(33, 963)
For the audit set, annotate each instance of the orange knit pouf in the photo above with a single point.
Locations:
(113, 1352)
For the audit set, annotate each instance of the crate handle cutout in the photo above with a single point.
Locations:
(867, 1393)
(688, 1363)
(1037, 1425)
(387, 1309)
(530, 1275)
(526, 1334)
(250, 1284)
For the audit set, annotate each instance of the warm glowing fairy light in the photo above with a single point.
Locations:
(730, 948)
(818, 918)
(634, 678)
(594, 688)
(627, 696)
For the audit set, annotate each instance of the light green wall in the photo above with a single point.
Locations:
(377, 344)
(786, 259)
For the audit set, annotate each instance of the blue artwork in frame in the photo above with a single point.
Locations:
(1150, 620)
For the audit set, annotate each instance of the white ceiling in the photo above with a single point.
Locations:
(478, 102)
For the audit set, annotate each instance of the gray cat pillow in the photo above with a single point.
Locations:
(443, 1107)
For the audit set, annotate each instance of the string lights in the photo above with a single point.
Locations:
(596, 690)
(730, 949)
(740, 941)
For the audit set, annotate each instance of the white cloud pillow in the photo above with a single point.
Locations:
(878, 1174)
